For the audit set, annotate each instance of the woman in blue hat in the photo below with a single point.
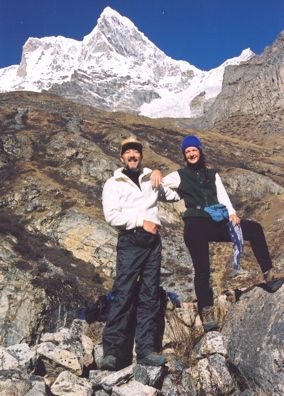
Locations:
(208, 214)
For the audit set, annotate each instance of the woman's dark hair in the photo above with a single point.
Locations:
(201, 164)
(202, 160)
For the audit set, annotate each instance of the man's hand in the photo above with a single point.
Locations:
(150, 227)
(234, 218)
(156, 178)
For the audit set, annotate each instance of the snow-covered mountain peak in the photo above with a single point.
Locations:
(46, 61)
(117, 34)
(109, 14)
(116, 67)
(245, 55)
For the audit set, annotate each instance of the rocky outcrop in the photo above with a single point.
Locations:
(58, 255)
(256, 347)
(231, 362)
(21, 302)
(254, 87)
(57, 252)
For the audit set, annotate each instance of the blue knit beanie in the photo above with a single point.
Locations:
(191, 141)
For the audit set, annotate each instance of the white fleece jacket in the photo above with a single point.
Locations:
(126, 206)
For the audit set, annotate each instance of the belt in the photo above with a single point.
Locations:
(131, 231)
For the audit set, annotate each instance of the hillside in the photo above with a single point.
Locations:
(57, 252)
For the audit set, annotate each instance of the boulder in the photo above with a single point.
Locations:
(214, 377)
(134, 388)
(148, 375)
(18, 383)
(67, 349)
(254, 330)
(70, 384)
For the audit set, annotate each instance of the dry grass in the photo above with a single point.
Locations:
(181, 337)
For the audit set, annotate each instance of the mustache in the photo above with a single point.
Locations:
(132, 159)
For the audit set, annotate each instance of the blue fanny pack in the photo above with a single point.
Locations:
(217, 212)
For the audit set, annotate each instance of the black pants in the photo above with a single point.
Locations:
(136, 305)
(199, 231)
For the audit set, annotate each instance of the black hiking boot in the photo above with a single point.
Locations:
(153, 359)
(108, 362)
(272, 283)
(208, 319)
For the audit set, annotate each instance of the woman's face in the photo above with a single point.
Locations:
(192, 155)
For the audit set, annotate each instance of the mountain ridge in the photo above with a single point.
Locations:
(116, 67)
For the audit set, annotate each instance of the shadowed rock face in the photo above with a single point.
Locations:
(254, 87)
(258, 358)
(57, 252)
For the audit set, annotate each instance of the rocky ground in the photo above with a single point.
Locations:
(57, 253)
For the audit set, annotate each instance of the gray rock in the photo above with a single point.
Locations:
(60, 336)
(24, 355)
(98, 353)
(254, 87)
(38, 389)
(254, 329)
(214, 376)
(117, 377)
(169, 388)
(21, 303)
(69, 349)
(87, 238)
(212, 342)
(179, 385)
(7, 361)
(242, 183)
(59, 358)
(148, 375)
(101, 392)
(134, 388)
(187, 384)
(97, 377)
(16, 382)
(198, 103)
(17, 147)
(69, 384)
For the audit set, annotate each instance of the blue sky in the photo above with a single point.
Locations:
(202, 32)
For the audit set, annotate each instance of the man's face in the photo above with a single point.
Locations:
(131, 159)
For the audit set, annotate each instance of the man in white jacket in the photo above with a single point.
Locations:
(130, 205)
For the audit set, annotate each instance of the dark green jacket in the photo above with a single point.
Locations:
(198, 189)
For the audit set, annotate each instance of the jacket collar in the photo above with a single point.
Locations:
(119, 175)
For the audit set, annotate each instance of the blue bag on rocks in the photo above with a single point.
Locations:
(217, 212)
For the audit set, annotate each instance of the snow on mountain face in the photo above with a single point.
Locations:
(44, 62)
(116, 67)
(192, 101)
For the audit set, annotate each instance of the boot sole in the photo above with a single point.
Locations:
(149, 363)
(274, 285)
(210, 327)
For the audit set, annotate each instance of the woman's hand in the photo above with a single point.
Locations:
(156, 178)
(234, 218)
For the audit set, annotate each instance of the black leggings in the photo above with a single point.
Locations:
(199, 231)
